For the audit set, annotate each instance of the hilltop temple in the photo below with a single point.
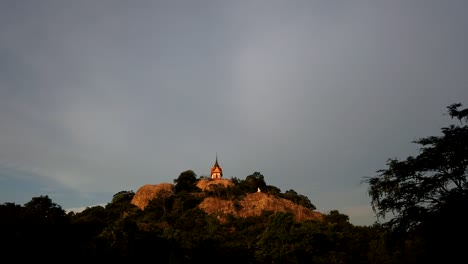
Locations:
(216, 170)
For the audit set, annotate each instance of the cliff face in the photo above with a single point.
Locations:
(252, 204)
(206, 185)
(147, 192)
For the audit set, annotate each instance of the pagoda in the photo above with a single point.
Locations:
(216, 170)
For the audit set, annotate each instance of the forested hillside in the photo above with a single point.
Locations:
(173, 229)
(428, 195)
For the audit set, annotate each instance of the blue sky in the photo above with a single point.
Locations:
(102, 96)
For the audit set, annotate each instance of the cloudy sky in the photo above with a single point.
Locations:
(98, 96)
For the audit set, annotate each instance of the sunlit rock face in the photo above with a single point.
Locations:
(147, 192)
(254, 204)
(207, 184)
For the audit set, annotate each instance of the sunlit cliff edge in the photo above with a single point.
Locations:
(250, 204)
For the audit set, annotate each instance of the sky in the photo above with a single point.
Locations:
(98, 97)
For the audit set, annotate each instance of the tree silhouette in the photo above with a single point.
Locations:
(186, 181)
(427, 193)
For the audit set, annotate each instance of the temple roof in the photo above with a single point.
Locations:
(216, 165)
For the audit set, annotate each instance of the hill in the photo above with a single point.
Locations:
(215, 200)
(194, 220)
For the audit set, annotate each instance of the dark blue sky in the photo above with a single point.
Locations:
(97, 97)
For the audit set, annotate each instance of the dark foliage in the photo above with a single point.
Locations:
(298, 199)
(428, 194)
(172, 229)
(187, 181)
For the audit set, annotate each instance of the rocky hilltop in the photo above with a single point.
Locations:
(149, 191)
(206, 184)
(251, 204)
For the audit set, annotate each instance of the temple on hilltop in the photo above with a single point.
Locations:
(216, 170)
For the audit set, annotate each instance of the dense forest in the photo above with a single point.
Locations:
(427, 196)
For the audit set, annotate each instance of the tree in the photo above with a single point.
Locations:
(255, 181)
(298, 199)
(123, 197)
(120, 205)
(186, 181)
(45, 226)
(336, 217)
(428, 193)
(275, 244)
(42, 210)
